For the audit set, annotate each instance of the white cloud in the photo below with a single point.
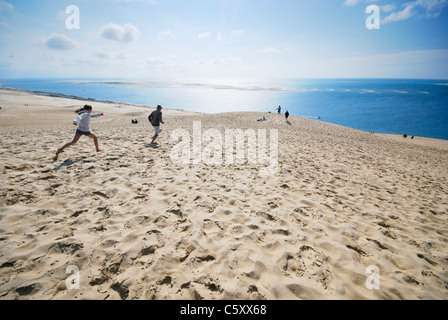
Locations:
(166, 64)
(205, 35)
(102, 55)
(6, 6)
(126, 34)
(238, 33)
(405, 14)
(60, 42)
(387, 8)
(351, 2)
(433, 8)
(219, 37)
(407, 64)
(155, 62)
(122, 56)
(106, 53)
(166, 34)
(427, 8)
(153, 2)
(61, 15)
(270, 50)
(226, 61)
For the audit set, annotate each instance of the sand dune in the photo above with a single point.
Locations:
(138, 226)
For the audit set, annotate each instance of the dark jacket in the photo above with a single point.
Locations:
(155, 118)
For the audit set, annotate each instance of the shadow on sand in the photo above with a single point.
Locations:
(152, 146)
(68, 163)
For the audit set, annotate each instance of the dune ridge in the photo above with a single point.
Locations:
(138, 226)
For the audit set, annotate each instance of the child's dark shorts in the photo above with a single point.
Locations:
(84, 133)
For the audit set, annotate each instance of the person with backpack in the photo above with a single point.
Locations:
(155, 118)
(83, 124)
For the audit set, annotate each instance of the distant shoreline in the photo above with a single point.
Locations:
(148, 84)
(66, 96)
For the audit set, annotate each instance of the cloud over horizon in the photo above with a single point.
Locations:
(407, 10)
(6, 6)
(262, 38)
(60, 42)
(125, 34)
(425, 8)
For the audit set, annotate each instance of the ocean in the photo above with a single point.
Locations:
(397, 106)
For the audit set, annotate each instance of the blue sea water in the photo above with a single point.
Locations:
(398, 106)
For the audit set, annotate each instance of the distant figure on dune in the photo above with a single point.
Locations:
(405, 136)
(83, 123)
(155, 119)
(287, 115)
(279, 109)
(262, 119)
(134, 121)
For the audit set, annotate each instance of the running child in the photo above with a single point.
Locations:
(83, 123)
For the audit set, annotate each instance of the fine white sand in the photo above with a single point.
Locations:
(139, 226)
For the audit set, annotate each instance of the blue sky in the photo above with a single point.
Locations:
(179, 39)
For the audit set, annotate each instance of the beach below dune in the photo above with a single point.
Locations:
(139, 226)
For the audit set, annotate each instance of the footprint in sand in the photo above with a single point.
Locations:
(308, 262)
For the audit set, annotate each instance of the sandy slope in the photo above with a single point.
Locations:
(138, 226)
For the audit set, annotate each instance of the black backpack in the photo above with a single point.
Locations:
(151, 117)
